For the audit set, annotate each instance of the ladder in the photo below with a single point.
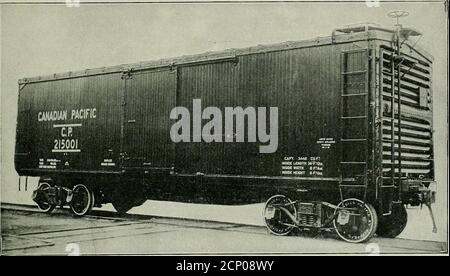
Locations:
(388, 183)
(354, 121)
(391, 111)
(391, 181)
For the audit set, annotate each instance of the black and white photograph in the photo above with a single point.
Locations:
(224, 128)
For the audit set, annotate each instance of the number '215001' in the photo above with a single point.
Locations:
(65, 144)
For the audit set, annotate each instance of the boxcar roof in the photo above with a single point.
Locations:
(370, 34)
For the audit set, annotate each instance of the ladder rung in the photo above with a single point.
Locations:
(354, 140)
(354, 117)
(353, 162)
(387, 73)
(388, 141)
(355, 94)
(354, 72)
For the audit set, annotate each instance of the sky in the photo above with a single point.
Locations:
(46, 39)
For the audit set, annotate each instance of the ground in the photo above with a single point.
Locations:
(29, 232)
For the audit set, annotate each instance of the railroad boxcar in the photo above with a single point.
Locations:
(349, 151)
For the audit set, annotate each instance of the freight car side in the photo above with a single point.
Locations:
(69, 126)
(303, 84)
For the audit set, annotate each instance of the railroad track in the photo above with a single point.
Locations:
(101, 214)
(60, 228)
(114, 227)
(111, 215)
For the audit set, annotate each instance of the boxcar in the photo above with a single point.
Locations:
(353, 132)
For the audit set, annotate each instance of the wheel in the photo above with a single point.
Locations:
(355, 221)
(126, 196)
(391, 226)
(139, 202)
(43, 205)
(82, 200)
(277, 221)
(122, 206)
(122, 201)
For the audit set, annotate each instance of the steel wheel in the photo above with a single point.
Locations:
(122, 199)
(139, 202)
(355, 221)
(45, 206)
(122, 204)
(82, 200)
(391, 226)
(127, 195)
(277, 221)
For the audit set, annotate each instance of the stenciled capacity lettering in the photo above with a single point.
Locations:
(227, 128)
